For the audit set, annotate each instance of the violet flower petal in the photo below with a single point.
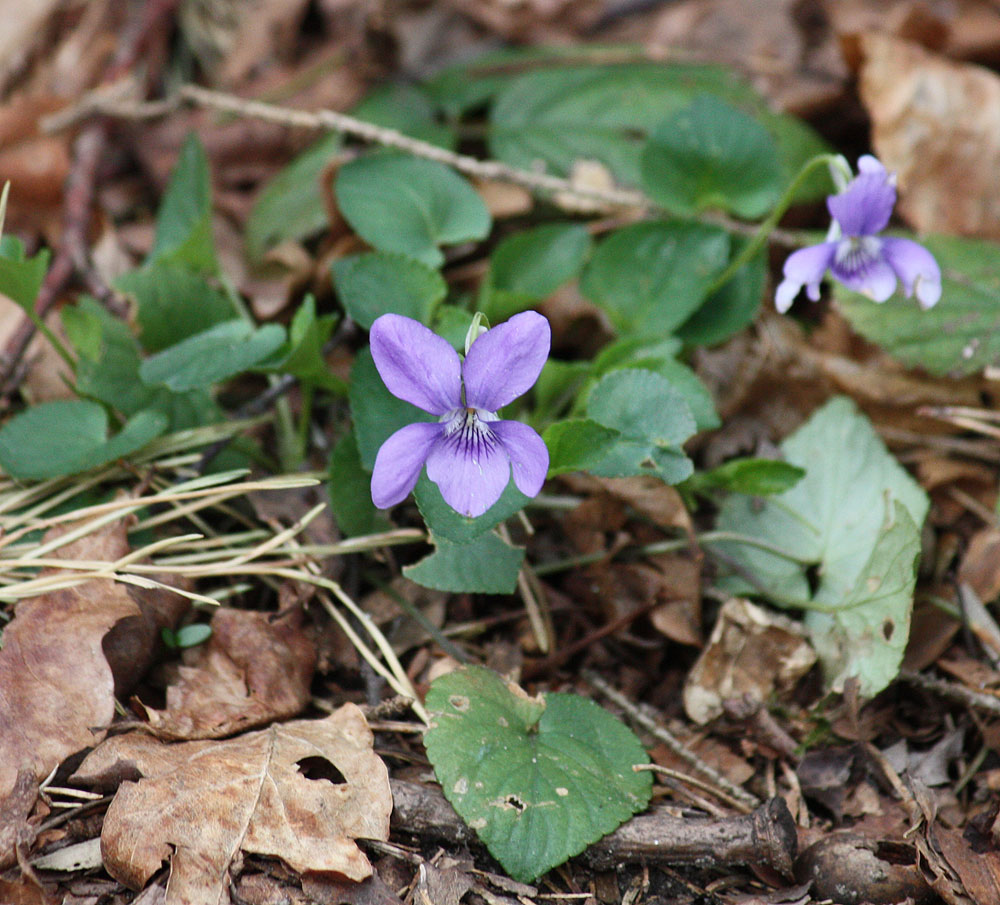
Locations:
(399, 460)
(416, 364)
(916, 268)
(867, 163)
(470, 471)
(529, 456)
(805, 267)
(865, 206)
(505, 362)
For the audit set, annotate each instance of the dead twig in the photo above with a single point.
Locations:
(950, 691)
(767, 836)
(107, 104)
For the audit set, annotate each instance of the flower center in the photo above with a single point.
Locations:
(855, 254)
(467, 428)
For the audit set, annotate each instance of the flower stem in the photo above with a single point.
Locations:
(771, 221)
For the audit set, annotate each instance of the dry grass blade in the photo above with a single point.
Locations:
(174, 500)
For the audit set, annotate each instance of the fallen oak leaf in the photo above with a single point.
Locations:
(256, 668)
(201, 803)
(66, 652)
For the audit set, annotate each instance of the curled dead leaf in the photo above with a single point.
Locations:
(64, 655)
(254, 669)
(751, 651)
(299, 791)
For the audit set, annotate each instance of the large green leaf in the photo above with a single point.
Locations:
(577, 444)
(961, 334)
(730, 308)
(471, 83)
(866, 633)
(184, 220)
(530, 265)
(291, 205)
(841, 518)
(302, 354)
(173, 303)
(486, 565)
(68, 436)
(651, 277)
(653, 420)
(711, 155)
(449, 525)
(350, 490)
(407, 109)
(410, 205)
(109, 372)
(377, 283)
(214, 355)
(376, 413)
(539, 779)
(557, 116)
(658, 355)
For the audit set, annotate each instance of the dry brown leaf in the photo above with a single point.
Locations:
(266, 30)
(60, 653)
(14, 811)
(785, 47)
(539, 20)
(254, 669)
(979, 871)
(937, 124)
(751, 651)
(200, 804)
(980, 567)
(24, 30)
(679, 616)
(22, 892)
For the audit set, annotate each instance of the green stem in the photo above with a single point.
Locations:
(772, 220)
(305, 420)
(57, 344)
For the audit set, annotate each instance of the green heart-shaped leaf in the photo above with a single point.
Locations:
(539, 779)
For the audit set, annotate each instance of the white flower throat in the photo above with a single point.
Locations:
(469, 424)
(854, 254)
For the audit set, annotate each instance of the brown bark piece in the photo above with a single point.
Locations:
(254, 669)
(766, 837)
(937, 124)
(201, 803)
(56, 687)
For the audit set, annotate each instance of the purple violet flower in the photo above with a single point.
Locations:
(469, 451)
(855, 254)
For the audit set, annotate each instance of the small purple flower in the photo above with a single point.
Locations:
(855, 254)
(469, 451)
